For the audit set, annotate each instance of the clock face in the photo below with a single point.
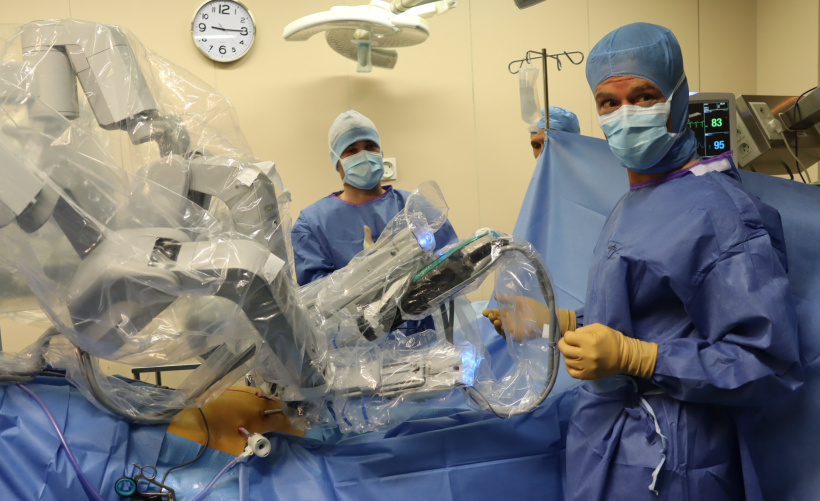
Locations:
(223, 30)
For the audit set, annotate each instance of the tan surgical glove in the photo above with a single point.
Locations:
(597, 351)
(368, 238)
(524, 318)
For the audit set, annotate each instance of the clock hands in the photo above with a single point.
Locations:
(227, 29)
(234, 41)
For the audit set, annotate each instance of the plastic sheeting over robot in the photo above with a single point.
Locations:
(146, 247)
(149, 234)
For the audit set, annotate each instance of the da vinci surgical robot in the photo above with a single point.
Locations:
(184, 253)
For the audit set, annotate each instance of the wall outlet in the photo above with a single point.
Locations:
(747, 150)
(391, 171)
(771, 126)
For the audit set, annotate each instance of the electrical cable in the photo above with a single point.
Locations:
(800, 166)
(201, 451)
(795, 154)
(800, 172)
(788, 170)
(89, 490)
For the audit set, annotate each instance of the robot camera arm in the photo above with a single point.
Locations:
(56, 54)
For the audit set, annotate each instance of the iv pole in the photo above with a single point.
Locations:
(542, 54)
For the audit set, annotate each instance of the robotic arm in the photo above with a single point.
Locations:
(416, 285)
(99, 56)
(129, 274)
(57, 54)
(139, 273)
(134, 267)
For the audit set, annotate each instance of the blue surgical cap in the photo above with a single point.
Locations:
(348, 128)
(653, 53)
(560, 119)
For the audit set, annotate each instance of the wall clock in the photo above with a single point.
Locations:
(223, 30)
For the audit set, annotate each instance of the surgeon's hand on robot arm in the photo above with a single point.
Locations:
(597, 351)
(524, 318)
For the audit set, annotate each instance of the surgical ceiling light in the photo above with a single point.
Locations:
(368, 34)
(523, 4)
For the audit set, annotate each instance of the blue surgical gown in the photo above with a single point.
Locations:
(697, 265)
(330, 232)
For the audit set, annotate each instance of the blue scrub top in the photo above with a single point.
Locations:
(696, 264)
(330, 232)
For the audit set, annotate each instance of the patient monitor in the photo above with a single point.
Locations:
(766, 134)
(712, 119)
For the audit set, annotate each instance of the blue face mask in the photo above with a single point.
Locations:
(363, 170)
(638, 135)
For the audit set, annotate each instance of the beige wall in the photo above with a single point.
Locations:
(449, 110)
(787, 46)
(727, 46)
(788, 39)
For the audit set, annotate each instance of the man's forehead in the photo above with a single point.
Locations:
(361, 143)
(623, 83)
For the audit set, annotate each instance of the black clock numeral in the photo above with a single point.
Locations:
(203, 40)
(222, 49)
(204, 16)
(201, 27)
(242, 20)
(224, 9)
(242, 42)
(243, 31)
(209, 48)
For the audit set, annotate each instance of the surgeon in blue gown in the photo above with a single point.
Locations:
(560, 119)
(689, 321)
(331, 231)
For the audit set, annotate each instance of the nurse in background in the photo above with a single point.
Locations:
(331, 231)
(560, 119)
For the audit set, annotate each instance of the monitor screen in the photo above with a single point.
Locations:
(711, 121)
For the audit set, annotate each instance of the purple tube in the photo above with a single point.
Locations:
(208, 487)
(89, 490)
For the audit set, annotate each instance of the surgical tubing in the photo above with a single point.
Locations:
(244, 482)
(224, 469)
(89, 490)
